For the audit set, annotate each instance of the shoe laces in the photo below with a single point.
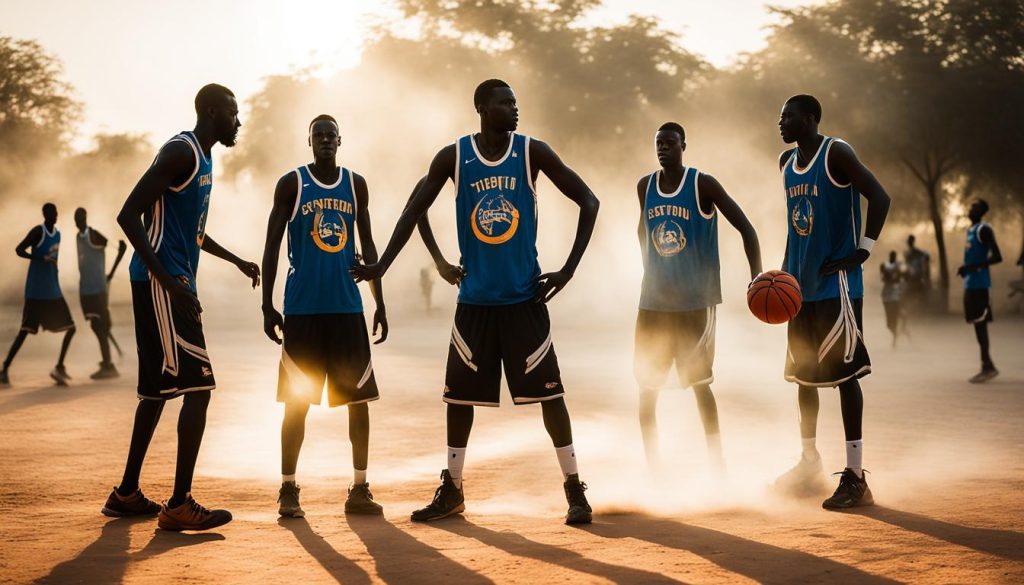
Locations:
(574, 493)
(290, 489)
(196, 509)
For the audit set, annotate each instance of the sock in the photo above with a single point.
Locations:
(855, 456)
(567, 460)
(810, 450)
(456, 459)
(288, 478)
(358, 476)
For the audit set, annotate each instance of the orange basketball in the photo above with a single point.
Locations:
(774, 297)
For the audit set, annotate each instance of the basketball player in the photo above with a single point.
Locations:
(892, 294)
(164, 218)
(681, 287)
(44, 302)
(824, 181)
(92, 287)
(501, 316)
(322, 206)
(981, 252)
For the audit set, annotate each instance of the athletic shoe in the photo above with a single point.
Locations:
(360, 501)
(5, 381)
(135, 504)
(106, 372)
(289, 499)
(579, 509)
(191, 516)
(448, 500)
(806, 478)
(60, 376)
(853, 491)
(984, 375)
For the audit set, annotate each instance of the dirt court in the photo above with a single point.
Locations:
(944, 455)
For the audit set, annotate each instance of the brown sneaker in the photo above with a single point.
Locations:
(135, 504)
(191, 516)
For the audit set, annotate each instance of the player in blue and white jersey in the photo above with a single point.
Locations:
(92, 287)
(980, 252)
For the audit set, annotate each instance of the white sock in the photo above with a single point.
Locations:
(855, 456)
(456, 459)
(810, 450)
(358, 476)
(567, 460)
(287, 478)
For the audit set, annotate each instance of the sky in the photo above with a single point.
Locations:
(137, 64)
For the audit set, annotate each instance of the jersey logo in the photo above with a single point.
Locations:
(201, 228)
(329, 232)
(51, 254)
(495, 220)
(668, 238)
(802, 217)
(469, 160)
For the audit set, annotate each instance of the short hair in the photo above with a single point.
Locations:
(211, 96)
(324, 118)
(673, 127)
(808, 104)
(485, 89)
(50, 206)
(983, 204)
(80, 210)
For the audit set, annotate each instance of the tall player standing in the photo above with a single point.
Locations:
(824, 181)
(501, 316)
(681, 286)
(322, 205)
(980, 252)
(92, 287)
(164, 218)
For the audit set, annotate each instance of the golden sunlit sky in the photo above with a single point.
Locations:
(137, 64)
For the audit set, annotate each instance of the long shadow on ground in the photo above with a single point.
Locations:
(341, 568)
(1002, 543)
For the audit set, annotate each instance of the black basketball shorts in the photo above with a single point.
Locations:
(96, 309)
(50, 314)
(977, 308)
(686, 338)
(333, 347)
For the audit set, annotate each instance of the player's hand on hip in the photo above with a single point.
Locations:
(380, 321)
(551, 283)
(251, 270)
(362, 272)
(450, 273)
(852, 261)
(272, 323)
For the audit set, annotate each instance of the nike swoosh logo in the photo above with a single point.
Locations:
(305, 184)
(470, 160)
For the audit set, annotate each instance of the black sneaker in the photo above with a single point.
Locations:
(579, 509)
(191, 516)
(852, 492)
(360, 501)
(5, 380)
(986, 374)
(134, 504)
(288, 497)
(448, 500)
(106, 372)
(60, 375)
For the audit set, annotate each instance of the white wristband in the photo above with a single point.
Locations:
(866, 244)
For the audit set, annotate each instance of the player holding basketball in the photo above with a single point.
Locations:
(501, 316)
(824, 181)
(92, 287)
(173, 197)
(980, 252)
(681, 287)
(322, 206)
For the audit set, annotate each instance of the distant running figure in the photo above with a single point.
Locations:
(92, 287)
(44, 302)
(501, 317)
(681, 286)
(322, 206)
(892, 294)
(164, 218)
(824, 181)
(980, 252)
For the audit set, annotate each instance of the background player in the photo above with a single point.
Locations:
(44, 302)
(501, 316)
(322, 205)
(980, 252)
(824, 181)
(892, 294)
(174, 196)
(681, 287)
(92, 287)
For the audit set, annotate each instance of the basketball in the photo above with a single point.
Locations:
(774, 297)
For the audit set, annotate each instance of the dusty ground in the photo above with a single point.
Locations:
(945, 458)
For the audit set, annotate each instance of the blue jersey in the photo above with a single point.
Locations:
(42, 281)
(176, 223)
(322, 247)
(976, 252)
(824, 225)
(681, 266)
(91, 265)
(496, 216)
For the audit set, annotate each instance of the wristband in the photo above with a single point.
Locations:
(866, 244)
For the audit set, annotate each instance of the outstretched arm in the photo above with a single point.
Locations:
(713, 192)
(572, 186)
(284, 202)
(380, 318)
(450, 273)
(121, 247)
(846, 167)
(34, 235)
(250, 269)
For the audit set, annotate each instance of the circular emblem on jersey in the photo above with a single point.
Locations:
(802, 217)
(51, 254)
(201, 228)
(668, 238)
(495, 219)
(329, 231)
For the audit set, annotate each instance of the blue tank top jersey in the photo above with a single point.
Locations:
(322, 247)
(91, 266)
(496, 216)
(976, 252)
(42, 281)
(176, 223)
(681, 264)
(824, 225)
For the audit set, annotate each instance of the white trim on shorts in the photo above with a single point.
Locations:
(529, 400)
(470, 402)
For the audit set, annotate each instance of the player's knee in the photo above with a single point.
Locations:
(199, 399)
